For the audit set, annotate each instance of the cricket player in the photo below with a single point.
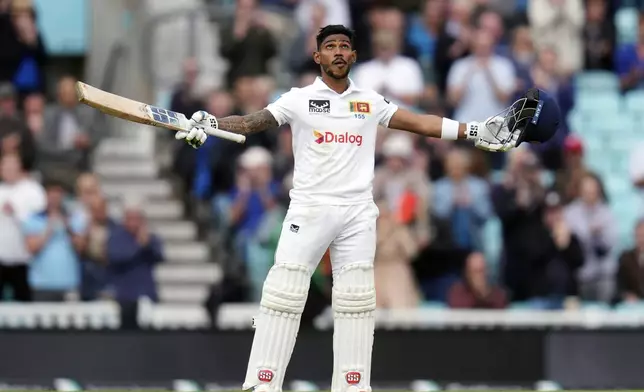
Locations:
(334, 124)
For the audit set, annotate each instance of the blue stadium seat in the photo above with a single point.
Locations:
(598, 103)
(634, 102)
(433, 305)
(596, 81)
(626, 20)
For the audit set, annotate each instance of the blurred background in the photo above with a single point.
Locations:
(129, 258)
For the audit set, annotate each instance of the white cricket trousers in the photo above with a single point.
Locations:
(348, 231)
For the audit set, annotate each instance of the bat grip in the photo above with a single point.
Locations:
(234, 137)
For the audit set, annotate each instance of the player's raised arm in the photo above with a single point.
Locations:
(533, 118)
(244, 125)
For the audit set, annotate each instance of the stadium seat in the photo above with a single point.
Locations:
(626, 20)
(596, 81)
(591, 305)
(598, 103)
(634, 101)
(433, 305)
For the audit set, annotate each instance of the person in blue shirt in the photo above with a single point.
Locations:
(53, 237)
(629, 61)
(132, 254)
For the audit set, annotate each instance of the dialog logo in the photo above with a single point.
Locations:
(339, 138)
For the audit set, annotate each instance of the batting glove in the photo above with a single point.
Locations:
(492, 135)
(197, 136)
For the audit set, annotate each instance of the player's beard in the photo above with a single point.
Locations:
(339, 76)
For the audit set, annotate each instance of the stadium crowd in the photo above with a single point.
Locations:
(467, 59)
(57, 241)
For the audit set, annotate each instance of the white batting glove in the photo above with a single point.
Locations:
(197, 136)
(492, 135)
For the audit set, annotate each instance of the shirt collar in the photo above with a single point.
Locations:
(320, 85)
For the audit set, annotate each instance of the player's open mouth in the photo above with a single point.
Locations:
(339, 64)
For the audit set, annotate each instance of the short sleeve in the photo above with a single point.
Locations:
(32, 226)
(283, 109)
(385, 110)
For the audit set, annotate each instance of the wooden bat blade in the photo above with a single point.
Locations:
(131, 110)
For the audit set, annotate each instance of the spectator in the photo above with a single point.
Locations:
(475, 290)
(247, 43)
(559, 24)
(67, 139)
(53, 239)
(8, 101)
(599, 36)
(390, 73)
(464, 200)
(592, 221)
(29, 76)
(629, 61)
(454, 41)
(34, 112)
(132, 253)
(480, 85)
(23, 53)
(284, 162)
(184, 96)
(492, 22)
(568, 179)
(405, 190)
(241, 210)
(88, 187)
(20, 198)
(94, 250)
(518, 202)
(15, 138)
(557, 257)
(396, 246)
(630, 276)
(545, 72)
(423, 34)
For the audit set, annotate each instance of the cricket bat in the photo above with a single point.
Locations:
(142, 113)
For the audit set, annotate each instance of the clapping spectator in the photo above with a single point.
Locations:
(241, 210)
(559, 24)
(67, 139)
(133, 252)
(390, 73)
(53, 238)
(592, 221)
(94, 259)
(630, 276)
(553, 266)
(405, 190)
(480, 85)
(20, 198)
(518, 202)
(476, 291)
(599, 36)
(462, 199)
(247, 43)
(396, 246)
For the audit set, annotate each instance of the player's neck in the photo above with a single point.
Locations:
(337, 85)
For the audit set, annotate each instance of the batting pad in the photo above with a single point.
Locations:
(354, 303)
(283, 299)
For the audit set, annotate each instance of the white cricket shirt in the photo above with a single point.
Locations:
(334, 141)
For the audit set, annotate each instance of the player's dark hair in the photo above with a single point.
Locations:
(333, 30)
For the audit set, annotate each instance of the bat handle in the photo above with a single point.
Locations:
(234, 137)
